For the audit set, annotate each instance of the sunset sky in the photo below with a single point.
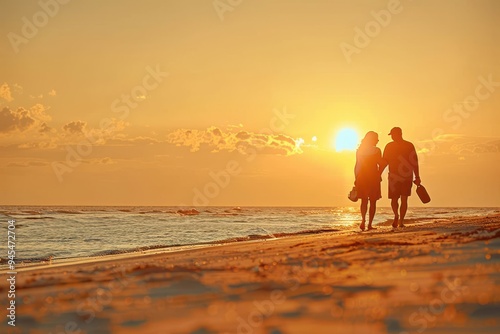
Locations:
(202, 102)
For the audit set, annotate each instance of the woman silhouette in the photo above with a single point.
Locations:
(367, 173)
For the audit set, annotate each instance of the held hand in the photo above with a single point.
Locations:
(417, 181)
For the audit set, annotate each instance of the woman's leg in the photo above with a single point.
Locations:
(364, 209)
(373, 209)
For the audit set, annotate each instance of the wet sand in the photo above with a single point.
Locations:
(442, 277)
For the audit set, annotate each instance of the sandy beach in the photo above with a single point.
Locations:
(217, 167)
(442, 277)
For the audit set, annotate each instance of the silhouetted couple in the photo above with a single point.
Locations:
(401, 157)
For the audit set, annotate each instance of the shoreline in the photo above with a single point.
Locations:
(148, 250)
(95, 233)
(354, 282)
(161, 249)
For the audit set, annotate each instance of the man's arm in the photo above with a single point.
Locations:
(414, 162)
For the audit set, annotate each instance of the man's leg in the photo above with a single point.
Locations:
(395, 207)
(403, 208)
(364, 208)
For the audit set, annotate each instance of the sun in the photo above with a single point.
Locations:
(346, 140)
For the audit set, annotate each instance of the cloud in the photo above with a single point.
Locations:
(233, 139)
(243, 135)
(40, 144)
(71, 133)
(5, 92)
(34, 163)
(459, 145)
(52, 92)
(424, 150)
(75, 127)
(18, 89)
(475, 146)
(99, 161)
(140, 140)
(44, 128)
(22, 119)
(39, 112)
(19, 119)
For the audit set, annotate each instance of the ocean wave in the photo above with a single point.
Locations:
(17, 226)
(20, 213)
(151, 211)
(188, 212)
(111, 252)
(9, 213)
(31, 212)
(248, 237)
(156, 212)
(132, 250)
(145, 248)
(421, 220)
(70, 212)
(312, 212)
(20, 260)
(271, 235)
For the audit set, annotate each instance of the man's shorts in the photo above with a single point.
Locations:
(399, 186)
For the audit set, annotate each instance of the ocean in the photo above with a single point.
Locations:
(71, 232)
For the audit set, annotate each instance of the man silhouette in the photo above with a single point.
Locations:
(402, 159)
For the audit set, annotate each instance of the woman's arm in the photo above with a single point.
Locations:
(380, 161)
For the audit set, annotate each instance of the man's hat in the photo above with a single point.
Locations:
(396, 130)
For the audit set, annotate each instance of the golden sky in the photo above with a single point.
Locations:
(202, 102)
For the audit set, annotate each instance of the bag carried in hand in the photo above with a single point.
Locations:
(353, 195)
(423, 194)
